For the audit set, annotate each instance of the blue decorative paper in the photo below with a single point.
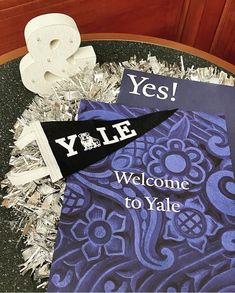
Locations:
(102, 246)
(144, 89)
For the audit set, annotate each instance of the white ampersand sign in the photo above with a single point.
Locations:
(53, 42)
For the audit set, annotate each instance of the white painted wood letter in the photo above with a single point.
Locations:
(53, 42)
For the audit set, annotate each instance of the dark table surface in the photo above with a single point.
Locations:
(14, 98)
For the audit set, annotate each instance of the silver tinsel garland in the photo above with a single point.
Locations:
(38, 204)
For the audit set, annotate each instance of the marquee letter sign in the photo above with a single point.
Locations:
(53, 42)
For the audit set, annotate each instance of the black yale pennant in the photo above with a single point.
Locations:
(70, 146)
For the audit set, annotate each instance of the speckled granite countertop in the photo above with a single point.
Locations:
(14, 98)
